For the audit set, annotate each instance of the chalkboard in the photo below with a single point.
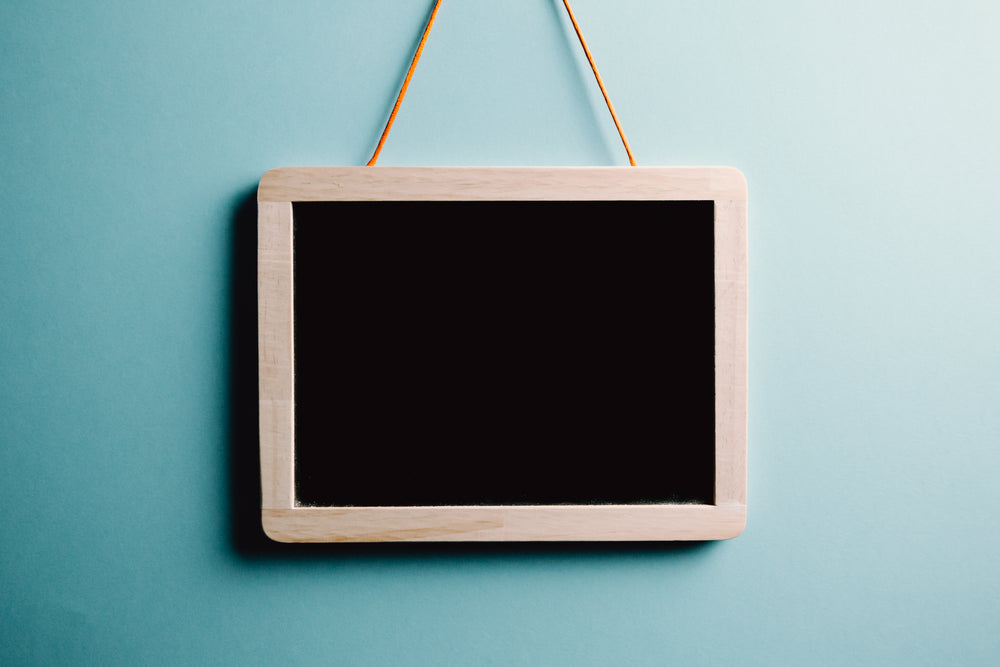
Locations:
(502, 354)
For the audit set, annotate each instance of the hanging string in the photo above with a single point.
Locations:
(406, 83)
(590, 59)
(420, 49)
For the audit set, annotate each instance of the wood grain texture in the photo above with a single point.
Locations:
(505, 523)
(286, 522)
(275, 354)
(731, 311)
(499, 183)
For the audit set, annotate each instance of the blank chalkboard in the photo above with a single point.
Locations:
(502, 353)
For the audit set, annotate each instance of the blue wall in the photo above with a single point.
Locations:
(131, 141)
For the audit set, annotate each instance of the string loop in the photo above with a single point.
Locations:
(420, 49)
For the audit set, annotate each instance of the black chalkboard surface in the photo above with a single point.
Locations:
(511, 353)
(460, 353)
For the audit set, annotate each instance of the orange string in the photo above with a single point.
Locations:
(600, 83)
(406, 82)
(420, 48)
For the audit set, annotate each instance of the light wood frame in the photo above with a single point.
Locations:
(284, 521)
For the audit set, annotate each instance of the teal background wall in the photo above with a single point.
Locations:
(132, 136)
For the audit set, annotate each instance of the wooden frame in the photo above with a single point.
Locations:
(284, 521)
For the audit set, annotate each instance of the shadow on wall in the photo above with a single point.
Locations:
(246, 535)
(244, 482)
